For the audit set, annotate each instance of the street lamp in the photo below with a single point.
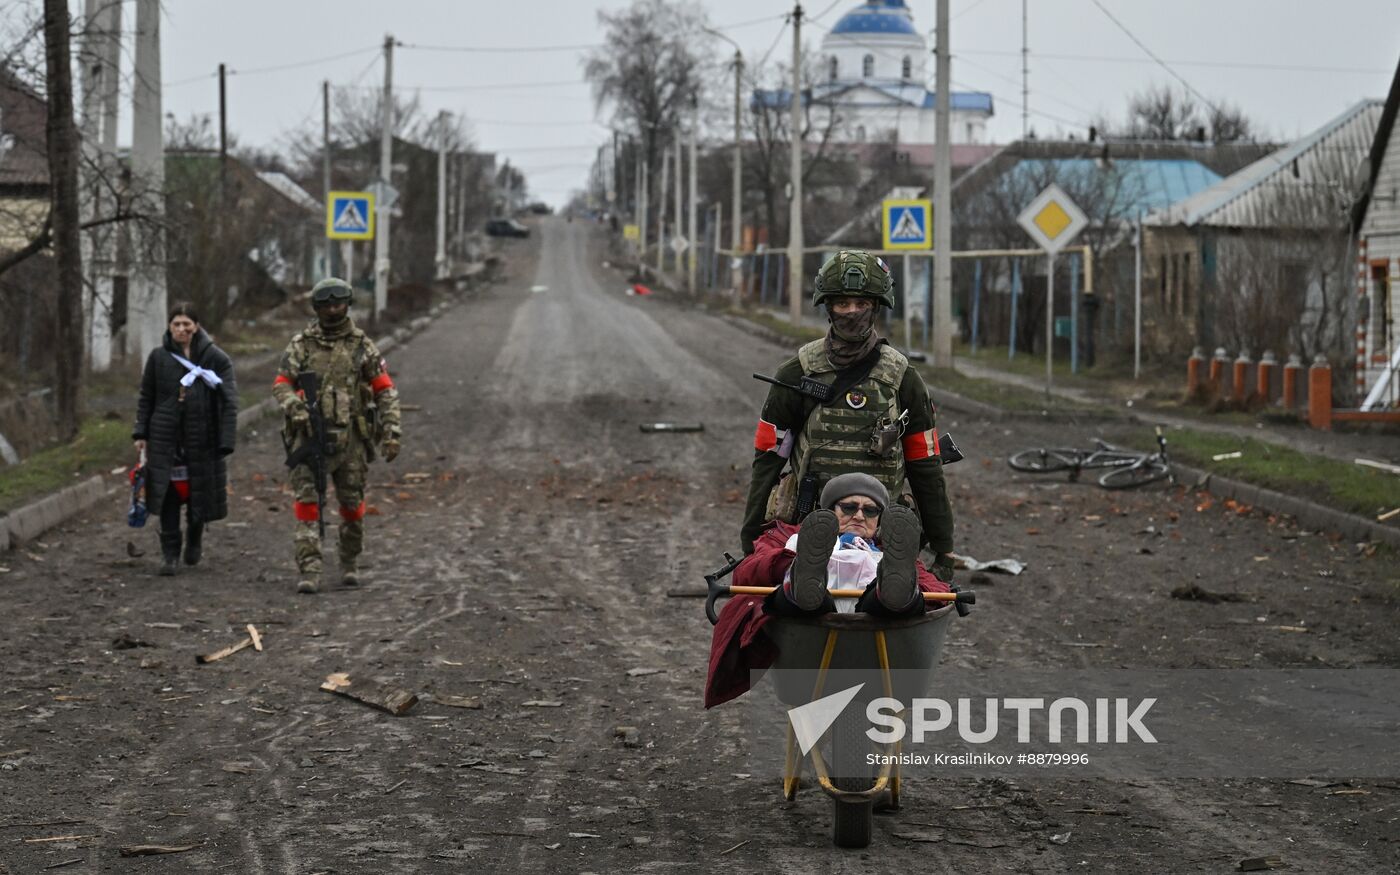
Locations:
(736, 217)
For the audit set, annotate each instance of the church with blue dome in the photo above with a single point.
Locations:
(875, 70)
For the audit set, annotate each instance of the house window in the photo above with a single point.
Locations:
(831, 70)
(867, 66)
(907, 71)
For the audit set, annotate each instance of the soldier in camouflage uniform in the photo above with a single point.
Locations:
(875, 393)
(360, 407)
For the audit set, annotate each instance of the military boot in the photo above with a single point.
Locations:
(194, 543)
(308, 584)
(169, 552)
(349, 574)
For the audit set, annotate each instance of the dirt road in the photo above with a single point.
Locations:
(521, 549)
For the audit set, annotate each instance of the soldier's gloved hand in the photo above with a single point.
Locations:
(298, 417)
(943, 567)
(390, 449)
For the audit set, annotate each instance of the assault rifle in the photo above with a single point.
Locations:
(313, 451)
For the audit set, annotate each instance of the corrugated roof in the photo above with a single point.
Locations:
(1305, 178)
(1147, 184)
(288, 188)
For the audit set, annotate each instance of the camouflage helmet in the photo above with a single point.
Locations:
(332, 290)
(852, 273)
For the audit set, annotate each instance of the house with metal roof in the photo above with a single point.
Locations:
(1260, 260)
(1376, 218)
(874, 81)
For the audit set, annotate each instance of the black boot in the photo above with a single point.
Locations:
(169, 552)
(194, 543)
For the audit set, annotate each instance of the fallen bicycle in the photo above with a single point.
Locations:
(1126, 468)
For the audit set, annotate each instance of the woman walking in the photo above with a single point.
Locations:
(186, 423)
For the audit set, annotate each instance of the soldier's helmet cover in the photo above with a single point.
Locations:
(852, 273)
(331, 291)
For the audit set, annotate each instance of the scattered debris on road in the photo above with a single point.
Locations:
(1380, 466)
(124, 641)
(382, 696)
(1388, 515)
(471, 702)
(674, 427)
(1195, 593)
(255, 637)
(642, 672)
(631, 736)
(152, 850)
(1001, 566)
(227, 651)
(1220, 457)
(1260, 864)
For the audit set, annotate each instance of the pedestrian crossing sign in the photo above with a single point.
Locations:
(350, 215)
(907, 223)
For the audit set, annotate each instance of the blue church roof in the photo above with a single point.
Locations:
(877, 16)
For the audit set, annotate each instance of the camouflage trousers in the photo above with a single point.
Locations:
(346, 471)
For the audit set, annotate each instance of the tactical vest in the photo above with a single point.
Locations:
(835, 438)
(344, 396)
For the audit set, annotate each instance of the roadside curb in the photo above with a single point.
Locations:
(32, 520)
(1308, 514)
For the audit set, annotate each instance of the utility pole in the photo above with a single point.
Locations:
(1137, 297)
(223, 138)
(1025, 76)
(441, 258)
(145, 321)
(678, 229)
(661, 213)
(101, 33)
(795, 241)
(942, 201)
(326, 170)
(63, 149)
(645, 183)
(691, 228)
(736, 219)
(386, 172)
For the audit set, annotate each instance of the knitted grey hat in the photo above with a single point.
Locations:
(845, 485)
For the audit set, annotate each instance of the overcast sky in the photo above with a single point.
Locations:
(1290, 64)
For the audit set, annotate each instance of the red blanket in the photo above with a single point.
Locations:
(739, 645)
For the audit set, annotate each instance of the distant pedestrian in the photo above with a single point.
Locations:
(186, 424)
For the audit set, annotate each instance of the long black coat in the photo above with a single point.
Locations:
(207, 433)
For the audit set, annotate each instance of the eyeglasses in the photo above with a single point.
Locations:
(851, 508)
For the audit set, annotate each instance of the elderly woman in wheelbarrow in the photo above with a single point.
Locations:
(856, 540)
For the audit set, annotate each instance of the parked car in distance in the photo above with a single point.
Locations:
(506, 228)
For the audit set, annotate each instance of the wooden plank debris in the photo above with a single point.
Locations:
(471, 702)
(227, 651)
(152, 850)
(382, 696)
(255, 636)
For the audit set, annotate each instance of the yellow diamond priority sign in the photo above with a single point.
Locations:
(1052, 219)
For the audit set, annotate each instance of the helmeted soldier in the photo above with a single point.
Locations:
(877, 418)
(359, 408)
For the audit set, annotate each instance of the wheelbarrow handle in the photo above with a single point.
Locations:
(961, 598)
(717, 589)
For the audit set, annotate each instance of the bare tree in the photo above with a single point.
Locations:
(1159, 113)
(651, 69)
(768, 164)
(1228, 124)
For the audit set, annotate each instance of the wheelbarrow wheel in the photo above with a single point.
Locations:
(851, 821)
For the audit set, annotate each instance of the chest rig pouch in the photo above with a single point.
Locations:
(339, 361)
(856, 431)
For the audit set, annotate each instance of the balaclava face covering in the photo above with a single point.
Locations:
(336, 327)
(851, 336)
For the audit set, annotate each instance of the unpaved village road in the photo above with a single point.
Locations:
(521, 552)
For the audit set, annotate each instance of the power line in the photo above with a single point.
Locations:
(277, 68)
(1163, 64)
(1224, 65)
(500, 49)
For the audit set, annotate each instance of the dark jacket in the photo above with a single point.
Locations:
(206, 428)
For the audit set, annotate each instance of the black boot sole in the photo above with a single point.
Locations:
(899, 539)
(814, 543)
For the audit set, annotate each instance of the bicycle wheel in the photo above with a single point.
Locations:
(1041, 461)
(1148, 471)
